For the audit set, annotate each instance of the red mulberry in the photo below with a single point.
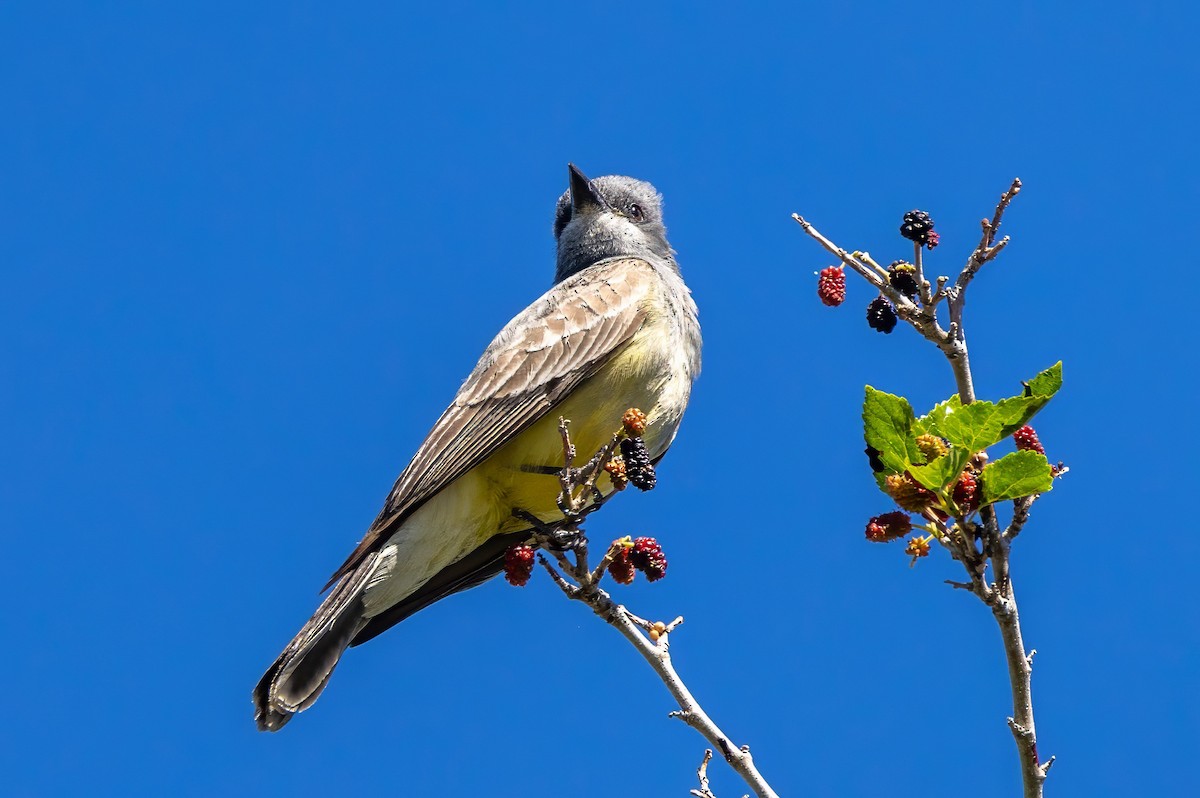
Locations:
(518, 564)
(966, 492)
(1027, 440)
(621, 567)
(831, 286)
(647, 556)
(888, 527)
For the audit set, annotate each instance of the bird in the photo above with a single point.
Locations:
(617, 329)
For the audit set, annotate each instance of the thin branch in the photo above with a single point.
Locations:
(702, 777)
(1020, 670)
(566, 587)
(657, 654)
(922, 283)
(564, 476)
(1020, 516)
(651, 639)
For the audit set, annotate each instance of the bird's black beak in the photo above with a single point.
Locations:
(583, 195)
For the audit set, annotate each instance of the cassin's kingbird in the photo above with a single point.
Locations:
(617, 330)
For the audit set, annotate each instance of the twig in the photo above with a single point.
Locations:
(1020, 670)
(702, 777)
(564, 476)
(563, 584)
(1020, 516)
(922, 283)
(657, 654)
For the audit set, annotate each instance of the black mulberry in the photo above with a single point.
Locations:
(917, 226)
(903, 277)
(881, 315)
(638, 468)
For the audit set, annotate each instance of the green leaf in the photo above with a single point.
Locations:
(1046, 383)
(973, 427)
(981, 424)
(931, 422)
(887, 426)
(1016, 475)
(942, 472)
(1038, 391)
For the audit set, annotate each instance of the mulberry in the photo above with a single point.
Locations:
(518, 564)
(966, 493)
(917, 226)
(888, 527)
(903, 277)
(881, 315)
(1027, 440)
(932, 447)
(634, 421)
(831, 286)
(647, 556)
(638, 467)
(621, 567)
(908, 493)
(616, 472)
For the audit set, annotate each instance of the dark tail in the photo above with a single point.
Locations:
(297, 678)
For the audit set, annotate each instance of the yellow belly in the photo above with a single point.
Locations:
(638, 376)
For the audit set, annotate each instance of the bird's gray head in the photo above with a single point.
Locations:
(611, 216)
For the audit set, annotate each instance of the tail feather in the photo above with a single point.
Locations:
(297, 677)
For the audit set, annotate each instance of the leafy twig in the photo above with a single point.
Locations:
(999, 595)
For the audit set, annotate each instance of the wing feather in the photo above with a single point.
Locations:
(535, 362)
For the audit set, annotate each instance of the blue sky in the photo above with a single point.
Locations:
(250, 252)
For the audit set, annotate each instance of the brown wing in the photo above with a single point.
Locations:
(533, 364)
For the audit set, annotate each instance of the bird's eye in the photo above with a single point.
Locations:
(635, 212)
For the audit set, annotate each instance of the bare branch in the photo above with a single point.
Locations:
(702, 776)
(650, 639)
(563, 585)
(1021, 509)
(989, 234)
(922, 283)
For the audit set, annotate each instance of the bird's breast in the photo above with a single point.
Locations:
(653, 371)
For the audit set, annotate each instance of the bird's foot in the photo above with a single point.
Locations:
(565, 539)
(552, 535)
